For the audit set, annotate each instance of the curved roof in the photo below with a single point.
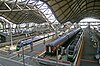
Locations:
(64, 10)
(74, 10)
(20, 12)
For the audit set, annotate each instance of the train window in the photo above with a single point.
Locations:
(19, 42)
(71, 48)
(24, 44)
(18, 46)
(70, 52)
(49, 49)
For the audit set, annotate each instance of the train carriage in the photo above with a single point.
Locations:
(52, 46)
(72, 49)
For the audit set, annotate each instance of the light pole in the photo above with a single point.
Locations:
(44, 39)
(11, 38)
(57, 56)
(11, 35)
(31, 45)
(23, 54)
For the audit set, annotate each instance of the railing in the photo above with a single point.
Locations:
(51, 62)
(80, 45)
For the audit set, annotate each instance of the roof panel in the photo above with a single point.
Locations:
(63, 10)
(83, 4)
(74, 9)
(20, 12)
(62, 3)
(90, 4)
(51, 2)
(97, 3)
(97, 8)
(58, 12)
(61, 17)
(90, 0)
(67, 11)
(55, 7)
(3, 6)
(12, 6)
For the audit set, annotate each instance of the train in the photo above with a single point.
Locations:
(72, 49)
(25, 42)
(57, 44)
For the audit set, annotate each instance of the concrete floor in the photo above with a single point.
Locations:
(89, 52)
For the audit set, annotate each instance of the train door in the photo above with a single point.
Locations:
(48, 49)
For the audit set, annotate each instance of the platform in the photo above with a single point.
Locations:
(89, 52)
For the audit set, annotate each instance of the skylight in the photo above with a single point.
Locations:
(89, 21)
(45, 10)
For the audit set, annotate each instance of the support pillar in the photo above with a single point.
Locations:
(3, 26)
(10, 32)
(27, 26)
(33, 27)
(18, 28)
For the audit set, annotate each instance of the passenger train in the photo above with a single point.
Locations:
(72, 49)
(30, 41)
(56, 44)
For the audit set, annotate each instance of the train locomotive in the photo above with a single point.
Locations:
(57, 44)
(72, 49)
(30, 41)
(23, 43)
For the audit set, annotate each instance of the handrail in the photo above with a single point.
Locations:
(75, 62)
(46, 61)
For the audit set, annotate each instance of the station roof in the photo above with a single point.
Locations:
(20, 12)
(74, 10)
(63, 10)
